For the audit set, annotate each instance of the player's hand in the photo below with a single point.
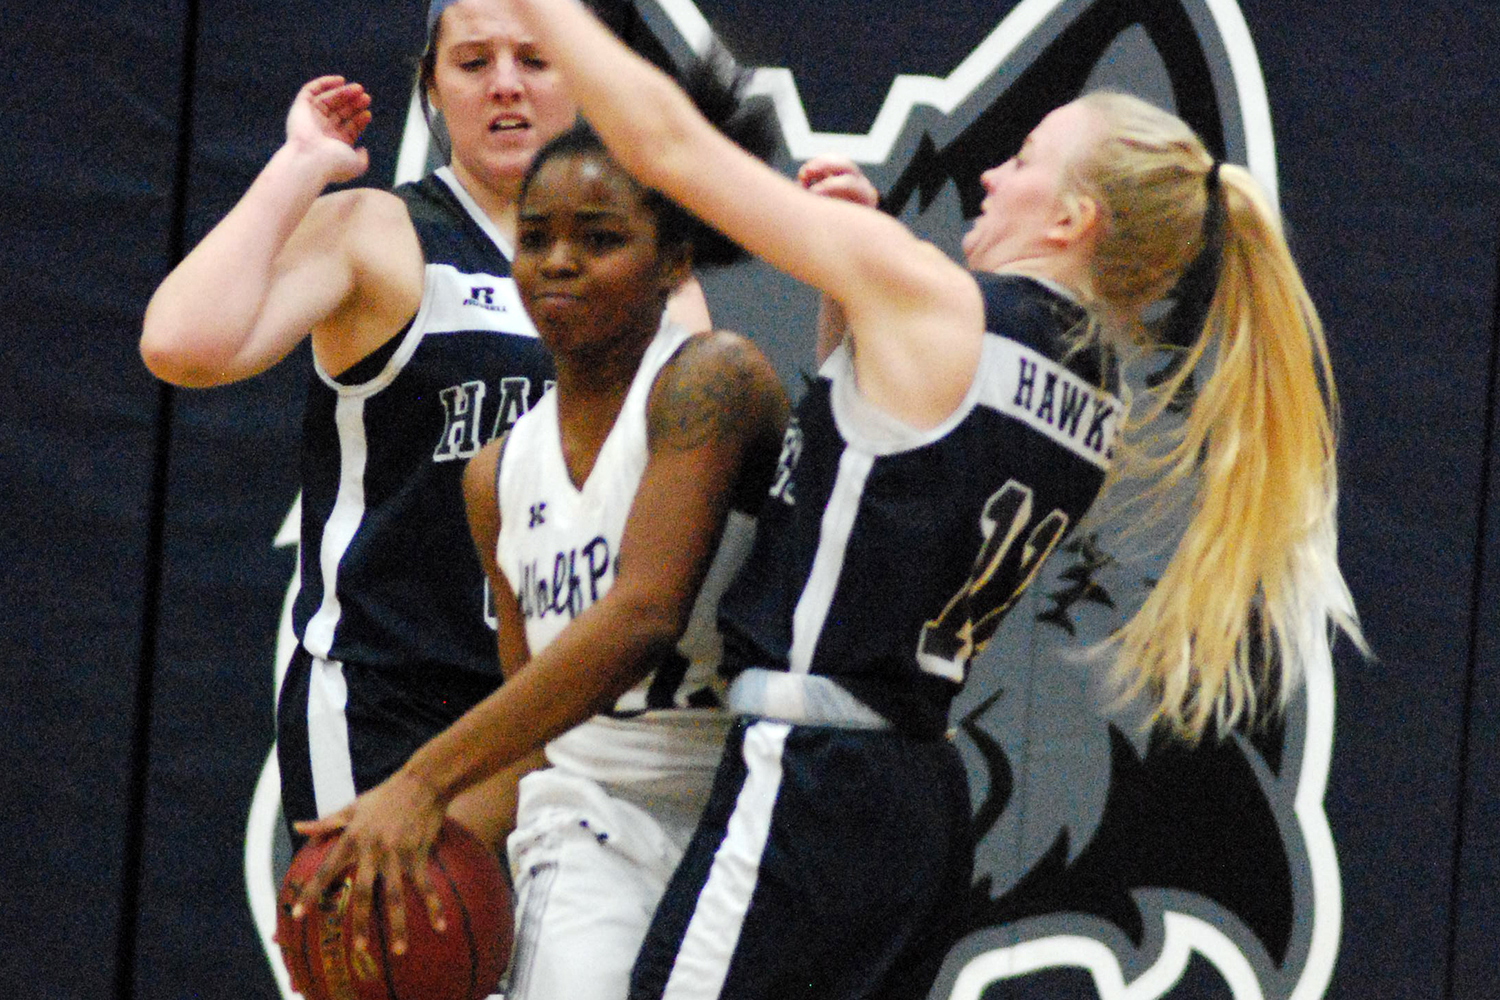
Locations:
(325, 122)
(838, 177)
(387, 834)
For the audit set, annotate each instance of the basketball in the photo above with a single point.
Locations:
(462, 963)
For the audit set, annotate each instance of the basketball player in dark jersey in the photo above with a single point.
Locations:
(928, 473)
(421, 353)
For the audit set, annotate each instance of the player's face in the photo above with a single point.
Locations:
(500, 100)
(1023, 197)
(587, 262)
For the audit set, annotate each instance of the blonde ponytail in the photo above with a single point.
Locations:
(1250, 593)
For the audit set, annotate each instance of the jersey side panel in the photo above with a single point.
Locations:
(389, 575)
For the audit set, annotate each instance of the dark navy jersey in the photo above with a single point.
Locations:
(389, 576)
(887, 556)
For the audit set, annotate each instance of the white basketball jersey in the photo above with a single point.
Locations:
(559, 549)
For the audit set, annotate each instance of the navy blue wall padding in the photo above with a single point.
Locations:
(231, 482)
(89, 117)
(140, 591)
(1477, 844)
(1389, 182)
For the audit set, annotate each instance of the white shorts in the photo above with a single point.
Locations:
(589, 868)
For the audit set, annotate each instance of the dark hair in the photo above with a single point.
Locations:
(426, 72)
(716, 86)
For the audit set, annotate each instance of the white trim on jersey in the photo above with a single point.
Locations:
(343, 520)
(453, 311)
(483, 221)
(1044, 395)
(408, 346)
(1010, 378)
(460, 311)
(866, 426)
(708, 945)
(828, 562)
(328, 736)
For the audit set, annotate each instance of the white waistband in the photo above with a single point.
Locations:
(801, 699)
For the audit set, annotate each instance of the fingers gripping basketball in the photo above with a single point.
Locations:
(462, 963)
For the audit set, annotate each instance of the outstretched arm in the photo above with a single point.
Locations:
(280, 262)
(915, 317)
(713, 406)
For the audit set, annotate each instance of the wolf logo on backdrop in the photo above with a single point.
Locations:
(1111, 862)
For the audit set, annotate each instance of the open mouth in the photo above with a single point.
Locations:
(509, 125)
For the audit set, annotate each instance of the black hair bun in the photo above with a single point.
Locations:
(716, 85)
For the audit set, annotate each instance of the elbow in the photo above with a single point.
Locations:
(173, 352)
(656, 624)
(642, 642)
(158, 353)
(160, 358)
(659, 627)
(164, 342)
(170, 364)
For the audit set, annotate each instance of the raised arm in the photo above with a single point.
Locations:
(284, 262)
(915, 316)
(716, 413)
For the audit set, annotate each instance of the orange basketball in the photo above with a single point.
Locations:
(462, 963)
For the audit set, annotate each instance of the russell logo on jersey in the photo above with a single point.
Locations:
(484, 298)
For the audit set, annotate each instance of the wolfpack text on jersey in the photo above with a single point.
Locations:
(559, 547)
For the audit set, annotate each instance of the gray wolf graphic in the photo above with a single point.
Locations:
(1112, 862)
